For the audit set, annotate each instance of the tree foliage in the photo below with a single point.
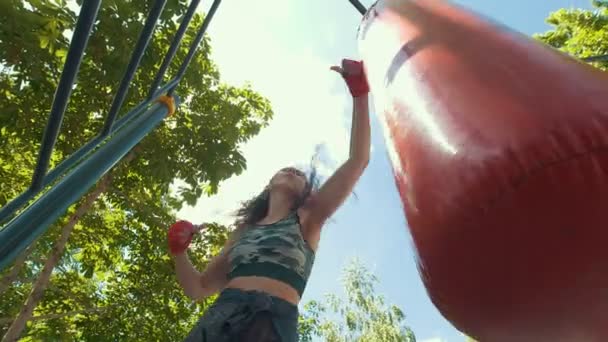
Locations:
(115, 281)
(363, 316)
(581, 33)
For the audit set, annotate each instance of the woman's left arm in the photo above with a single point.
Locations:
(338, 187)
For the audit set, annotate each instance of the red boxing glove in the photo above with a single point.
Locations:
(179, 236)
(354, 75)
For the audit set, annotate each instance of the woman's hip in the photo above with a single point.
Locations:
(247, 315)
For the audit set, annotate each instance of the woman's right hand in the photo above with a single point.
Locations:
(180, 235)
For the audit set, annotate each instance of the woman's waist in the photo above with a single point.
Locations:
(276, 276)
(271, 287)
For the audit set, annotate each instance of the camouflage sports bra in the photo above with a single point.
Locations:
(277, 251)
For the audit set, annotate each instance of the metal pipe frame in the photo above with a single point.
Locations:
(10, 208)
(195, 44)
(138, 53)
(35, 220)
(84, 25)
(173, 48)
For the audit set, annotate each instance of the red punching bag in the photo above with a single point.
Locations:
(499, 147)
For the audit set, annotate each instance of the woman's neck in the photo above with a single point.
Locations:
(280, 205)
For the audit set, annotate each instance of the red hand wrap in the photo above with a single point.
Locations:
(179, 236)
(354, 75)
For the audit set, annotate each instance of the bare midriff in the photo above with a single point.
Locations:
(270, 286)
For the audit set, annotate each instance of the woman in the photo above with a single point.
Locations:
(262, 270)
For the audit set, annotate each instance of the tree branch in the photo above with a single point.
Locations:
(16, 328)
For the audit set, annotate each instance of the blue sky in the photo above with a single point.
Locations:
(284, 49)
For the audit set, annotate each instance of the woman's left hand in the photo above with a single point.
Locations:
(354, 75)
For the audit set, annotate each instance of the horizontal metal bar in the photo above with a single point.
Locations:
(13, 206)
(76, 156)
(195, 44)
(138, 53)
(82, 31)
(358, 6)
(173, 48)
(600, 58)
(35, 220)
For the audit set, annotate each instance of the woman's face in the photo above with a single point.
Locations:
(290, 179)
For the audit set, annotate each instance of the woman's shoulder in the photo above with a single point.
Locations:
(236, 232)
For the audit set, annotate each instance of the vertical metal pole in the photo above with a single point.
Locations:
(86, 19)
(138, 53)
(358, 6)
(173, 48)
(195, 43)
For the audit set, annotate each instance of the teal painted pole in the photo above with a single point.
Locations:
(86, 19)
(136, 57)
(9, 210)
(35, 220)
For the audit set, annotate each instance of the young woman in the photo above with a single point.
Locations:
(263, 269)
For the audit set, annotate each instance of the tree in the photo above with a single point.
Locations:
(581, 33)
(363, 316)
(114, 281)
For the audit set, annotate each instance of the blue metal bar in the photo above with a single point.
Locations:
(10, 208)
(76, 156)
(164, 89)
(138, 53)
(195, 43)
(173, 48)
(358, 6)
(601, 58)
(86, 19)
(35, 220)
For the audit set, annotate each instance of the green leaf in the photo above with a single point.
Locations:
(61, 53)
(88, 273)
(44, 41)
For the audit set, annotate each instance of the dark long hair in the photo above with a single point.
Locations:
(255, 209)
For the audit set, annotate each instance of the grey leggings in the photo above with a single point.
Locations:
(254, 316)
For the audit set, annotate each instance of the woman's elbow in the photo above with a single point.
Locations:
(360, 162)
(206, 286)
(194, 295)
(365, 161)
(199, 293)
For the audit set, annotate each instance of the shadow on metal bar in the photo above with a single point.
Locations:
(138, 53)
(35, 220)
(10, 208)
(86, 19)
(195, 44)
(173, 48)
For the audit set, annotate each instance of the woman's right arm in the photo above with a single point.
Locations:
(199, 285)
